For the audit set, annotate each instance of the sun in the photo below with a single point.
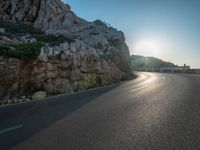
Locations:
(148, 47)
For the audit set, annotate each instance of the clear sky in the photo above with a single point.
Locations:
(167, 29)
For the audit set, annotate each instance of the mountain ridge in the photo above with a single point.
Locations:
(140, 62)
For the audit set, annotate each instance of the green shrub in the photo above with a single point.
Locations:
(22, 51)
(67, 88)
(83, 85)
(4, 50)
(53, 40)
(19, 27)
(27, 51)
(98, 80)
(94, 33)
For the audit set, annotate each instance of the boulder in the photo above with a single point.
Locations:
(2, 30)
(39, 95)
(64, 46)
(50, 67)
(52, 74)
(43, 56)
(32, 40)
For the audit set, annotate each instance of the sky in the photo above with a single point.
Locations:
(166, 29)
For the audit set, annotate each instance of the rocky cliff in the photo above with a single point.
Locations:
(75, 54)
(49, 15)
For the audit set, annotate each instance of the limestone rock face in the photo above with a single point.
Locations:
(49, 15)
(98, 55)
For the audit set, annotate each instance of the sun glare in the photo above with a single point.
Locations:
(148, 48)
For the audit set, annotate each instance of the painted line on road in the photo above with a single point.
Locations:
(137, 89)
(11, 128)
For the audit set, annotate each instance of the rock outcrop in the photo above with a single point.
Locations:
(97, 56)
(49, 15)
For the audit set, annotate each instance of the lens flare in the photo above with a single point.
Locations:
(149, 48)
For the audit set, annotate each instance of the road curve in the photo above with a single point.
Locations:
(153, 112)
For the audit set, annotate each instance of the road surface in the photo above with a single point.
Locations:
(153, 112)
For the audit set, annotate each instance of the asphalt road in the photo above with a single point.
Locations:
(153, 112)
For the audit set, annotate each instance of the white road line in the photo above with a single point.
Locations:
(137, 89)
(11, 128)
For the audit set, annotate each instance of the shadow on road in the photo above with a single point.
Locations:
(38, 115)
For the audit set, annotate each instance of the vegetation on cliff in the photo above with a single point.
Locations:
(22, 51)
(18, 27)
(54, 39)
(28, 50)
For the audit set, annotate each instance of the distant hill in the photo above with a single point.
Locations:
(141, 63)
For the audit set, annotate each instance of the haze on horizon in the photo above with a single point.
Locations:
(169, 30)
